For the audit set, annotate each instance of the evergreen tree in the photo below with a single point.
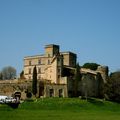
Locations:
(113, 87)
(22, 75)
(1, 76)
(34, 82)
(76, 80)
(100, 86)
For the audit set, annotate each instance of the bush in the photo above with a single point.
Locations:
(92, 66)
(29, 94)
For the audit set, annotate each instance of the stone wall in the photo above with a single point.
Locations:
(9, 87)
(89, 85)
(54, 90)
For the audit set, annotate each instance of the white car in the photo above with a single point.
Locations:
(2, 98)
(10, 100)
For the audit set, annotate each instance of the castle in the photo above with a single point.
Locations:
(49, 70)
(51, 79)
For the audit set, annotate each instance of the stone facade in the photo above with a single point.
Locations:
(55, 90)
(92, 81)
(10, 87)
(49, 69)
(49, 65)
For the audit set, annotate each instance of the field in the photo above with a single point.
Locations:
(62, 109)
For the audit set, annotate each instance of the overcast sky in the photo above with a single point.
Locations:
(90, 28)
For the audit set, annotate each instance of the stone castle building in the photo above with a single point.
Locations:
(50, 67)
(49, 70)
(52, 80)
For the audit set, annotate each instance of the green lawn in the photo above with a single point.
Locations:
(62, 109)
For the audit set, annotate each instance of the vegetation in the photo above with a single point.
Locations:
(28, 93)
(22, 75)
(76, 79)
(34, 82)
(8, 73)
(112, 88)
(1, 76)
(100, 86)
(62, 109)
(92, 66)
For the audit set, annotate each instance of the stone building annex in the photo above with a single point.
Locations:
(51, 80)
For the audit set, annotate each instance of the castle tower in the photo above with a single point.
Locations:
(51, 50)
(103, 70)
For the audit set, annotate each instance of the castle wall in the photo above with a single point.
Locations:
(58, 90)
(9, 89)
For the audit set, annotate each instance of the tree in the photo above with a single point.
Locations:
(34, 82)
(92, 66)
(22, 75)
(1, 76)
(112, 89)
(100, 86)
(77, 79)
(28, 93)
(8, 73)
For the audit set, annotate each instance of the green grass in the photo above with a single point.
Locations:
(62, 109)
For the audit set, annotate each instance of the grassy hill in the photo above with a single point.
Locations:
(62, 109)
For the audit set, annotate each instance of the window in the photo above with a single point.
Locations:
(39, 77)
(48, 62)
(51, 93)
(39, 70)
(29, 70)
(39, 61)
(58, 76)
(29, 77)
(30, 62)
(60, 92)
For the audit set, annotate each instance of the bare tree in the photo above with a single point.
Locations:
(8, 73)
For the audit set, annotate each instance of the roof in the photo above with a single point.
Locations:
(51, 45)
(68, 52)
(34, 56)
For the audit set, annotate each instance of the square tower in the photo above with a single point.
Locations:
(51, 50)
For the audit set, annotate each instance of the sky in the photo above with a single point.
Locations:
(90, 28)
